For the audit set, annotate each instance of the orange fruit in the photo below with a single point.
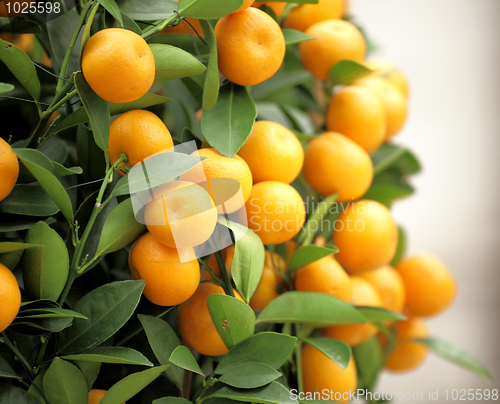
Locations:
(389, 284)
(118, 65)
(181, 214)
(9, 169)
(13, 8)
(227, 254)
(389, 71)
(226, 194)
(139, 134)
(10, 296)
(358, 114)
(320, 373)
(275, 211)
(266, 291)
(325, 276)
(334, 163)
(430, 286)
(363, 294)
(168, 280)
(305, 15)
(277, 6)
(407, 353)
(250, 46)
(394, 101)
(278, 264)
(278, 147)
(334, 40)
(195, 324)
(366, 236)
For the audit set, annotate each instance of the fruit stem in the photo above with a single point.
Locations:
(18, 354)
(217, 280)
(298, 364)
(228, 288)
(157, 28)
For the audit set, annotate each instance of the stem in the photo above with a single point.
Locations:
(217, 280)
(298, 364)
(41, 353)
(14, 349)
(228, 288)
(157, 28)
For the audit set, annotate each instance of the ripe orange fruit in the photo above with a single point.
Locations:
(430, 286)
(389, 284)
(9, 169)
(218, 168)
(266, 291)
(275, 211)
(14, 8)
(389, 71)
(277, 263)
(366, 235)
(250, 46)
(334, 40)
(334, 163)
(139, 134)
(181, 214)
(10, 296)
(407, 353)
(320, 373)
(196, 325)
(276, 6)
(278, 147)
(363, 294)
(227, 254)
(168, 280)
(96, 395)
(325, 276)
(394, 101)
(118, 64)
(305, 15)
(358, 114)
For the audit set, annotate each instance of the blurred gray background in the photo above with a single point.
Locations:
(450, 52)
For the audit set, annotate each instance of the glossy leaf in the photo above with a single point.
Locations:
(316, 309)
(39, 326)
(211, 83)
(29, 199)
(9, 246)
(45, 268)
(64, 171)
(59, 31)
(346, 71)
(337, 351)
(173, 63)
(112, 8)
(387, 193)
(13, 394)
(314, 222)
(369, 360)
(107, 309)
(6, 87)
(401, 248)
(292, 36)
(273, 393)
(21, 67)
(208, 9)
(304, 255)
(249, 375)
(457, 356)
(148, 10)
(183, 358)
(21, 224)
(270, 348)
(64, 383)
(49, 312)
(111, 354)
(376, 314)
(227, 125)
(90, 371)
(279, 82)
(42, 169)
(233, 319)
(128, 387)
(97, 111)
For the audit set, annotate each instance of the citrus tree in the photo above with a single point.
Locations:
(195, 206)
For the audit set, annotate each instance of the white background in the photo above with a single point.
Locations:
(450, 51)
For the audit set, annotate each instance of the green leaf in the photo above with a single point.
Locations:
(377, 315)
(233, 319)
(107, 309)
(211, 83)
(400, 250)
(273, 393)
(64, 171)
(39, 326)
(208, 9)
(45, 268)
(6, 87)
(249, 375)
(9, 246)
(59, 32)
(174, 63)
(171, 400)
(369, 360)
(304, 255)
(21, 67)
(120, 229)
(113, 9)
(128, 387)
(36, 387)
(64, 384)
(42, 169)
(49, 312)
(90, 371)
(148, 10)
(163, 342)
(457, 356)
(6, 370)
(270, 348)
(292, 36)
(346, 71)
(183, 358)
(279, 82)
(385, 156)
(386, 193)
(314, 222)
(22, 224)
(12, 394)
(228, 124)
(97, 110)
(111, 354)
(316, 309)
(29, 199)
(337, 351)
